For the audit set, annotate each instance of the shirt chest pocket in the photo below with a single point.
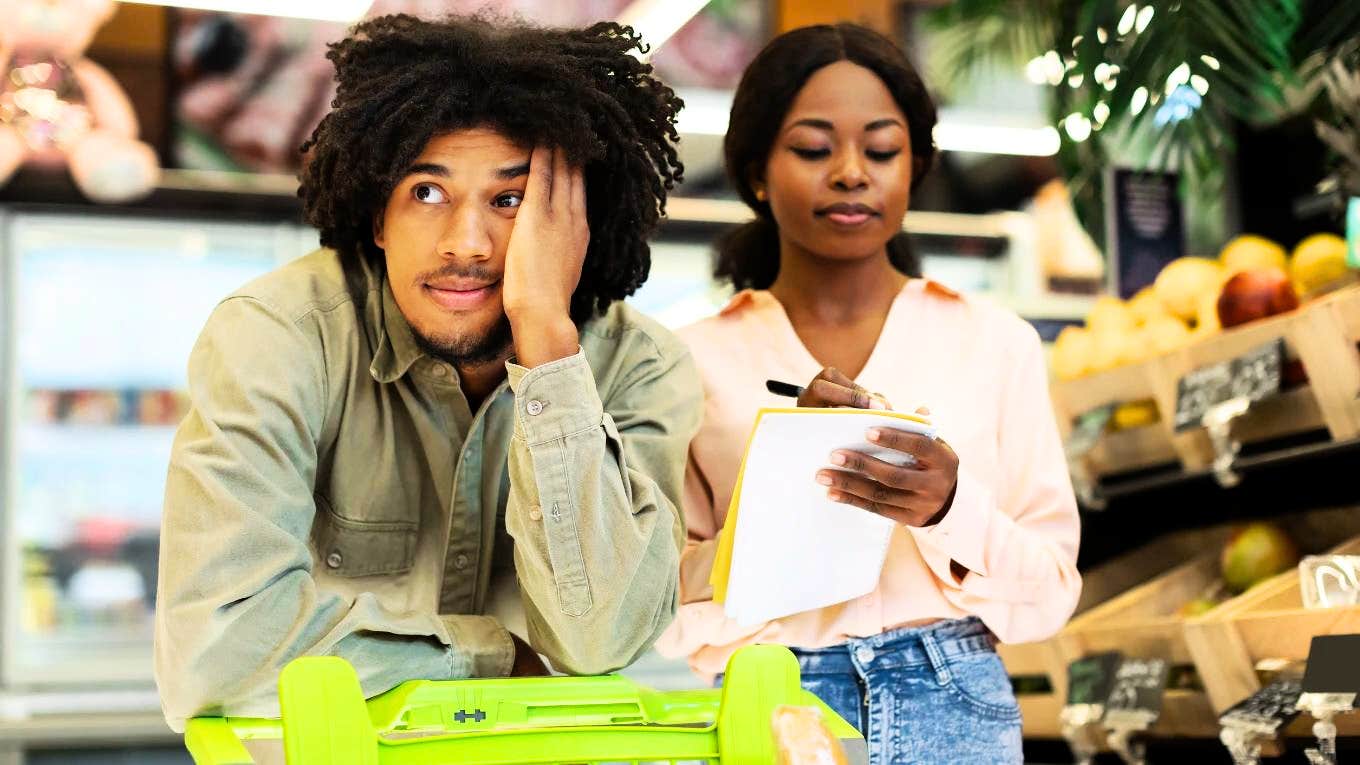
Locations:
(349, 547)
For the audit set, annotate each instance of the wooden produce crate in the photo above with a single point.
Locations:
(1142, 623)
(1045, 658)
(1129, 604)
(1267, 623)
(1322, 334)
(1038, 711)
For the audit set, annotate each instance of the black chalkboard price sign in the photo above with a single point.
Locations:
(1255, 375)
(1136, 697)
(1267, 710)
(1090, 678)
(1333, 665)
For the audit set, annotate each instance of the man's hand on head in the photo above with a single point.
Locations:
(544, 258)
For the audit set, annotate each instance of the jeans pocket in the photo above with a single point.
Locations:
(841, 693)
(980, 681)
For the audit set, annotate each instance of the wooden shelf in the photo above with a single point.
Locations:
(1322, 334)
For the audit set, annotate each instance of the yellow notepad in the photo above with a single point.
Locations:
(790, 442)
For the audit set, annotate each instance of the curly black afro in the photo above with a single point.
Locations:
(403, 80)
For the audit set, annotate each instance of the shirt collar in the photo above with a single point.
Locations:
(397, 347)
(929, 286)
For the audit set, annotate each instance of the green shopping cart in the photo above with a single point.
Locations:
(520, 721)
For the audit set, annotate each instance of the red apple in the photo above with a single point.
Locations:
(1255, 294)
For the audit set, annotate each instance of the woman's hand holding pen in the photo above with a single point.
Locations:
(918, 493)
(831, 388)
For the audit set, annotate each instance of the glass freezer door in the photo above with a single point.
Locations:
(99, 314)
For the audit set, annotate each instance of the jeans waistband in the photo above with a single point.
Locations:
(929, 645)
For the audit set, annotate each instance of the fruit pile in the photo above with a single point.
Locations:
(1196, 297)
(1254, 553)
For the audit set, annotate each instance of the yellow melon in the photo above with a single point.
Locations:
(1109, 349)
(1182, 284)
(1072, 353)
(1206, 318)
(1145, 306)
(1164, 335)
(1135, 414)
(1248, 252)
(1319, 263)
(1110, 314)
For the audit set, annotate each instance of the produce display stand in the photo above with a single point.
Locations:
(1268, 623)
(1143, 623)
(1322, 334)
(1038, 711)
(1224, 645)
(1045, 659)
(524, 721)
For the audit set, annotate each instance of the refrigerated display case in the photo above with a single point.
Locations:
(680, 288)
(99, 313)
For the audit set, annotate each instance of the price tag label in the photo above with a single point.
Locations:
(1090, 678)
(1268, 710)
(1329, 581)
(1254, 376)
(1353, 233)
(1136, 697)
(1333, 665)
(1086, 431)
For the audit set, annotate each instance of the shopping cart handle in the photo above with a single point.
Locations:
(326, 721)
(214, 740)
(323, 710)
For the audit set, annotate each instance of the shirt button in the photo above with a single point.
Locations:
(461, 561)
(534, 408)
(334, 560)
(535, 514)
(440, 370)
(864, 654)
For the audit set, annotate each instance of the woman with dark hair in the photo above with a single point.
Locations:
(830, 132)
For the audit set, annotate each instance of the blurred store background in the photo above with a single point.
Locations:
(1086, 144)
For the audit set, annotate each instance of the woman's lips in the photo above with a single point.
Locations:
(848, 219)
(845, 215)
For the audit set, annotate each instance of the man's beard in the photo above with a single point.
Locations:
(471, 350)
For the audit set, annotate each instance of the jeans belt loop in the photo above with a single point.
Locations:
(936, 657)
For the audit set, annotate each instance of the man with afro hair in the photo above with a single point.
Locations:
(450, 396)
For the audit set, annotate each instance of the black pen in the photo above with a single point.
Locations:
(796, 391)
(784, 389)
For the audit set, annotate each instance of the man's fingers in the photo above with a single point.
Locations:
(578, 192)
(539, 189)
(561, 187)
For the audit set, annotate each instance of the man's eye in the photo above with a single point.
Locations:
(428, 193)
(511, 200)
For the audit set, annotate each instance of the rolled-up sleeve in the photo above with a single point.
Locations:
(594, 491)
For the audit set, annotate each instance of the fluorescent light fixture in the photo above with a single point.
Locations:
(993, 139)
(658, 20)
(346, 11)
(706, 112)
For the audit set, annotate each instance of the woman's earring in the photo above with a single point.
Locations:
(760, 194)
